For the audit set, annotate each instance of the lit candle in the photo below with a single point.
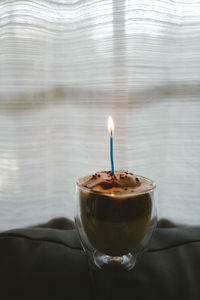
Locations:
(111, 129)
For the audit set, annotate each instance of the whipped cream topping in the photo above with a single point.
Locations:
(120, 182)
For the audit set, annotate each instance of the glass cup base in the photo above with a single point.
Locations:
(114, 263)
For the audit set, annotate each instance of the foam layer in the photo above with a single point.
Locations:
(121, 182)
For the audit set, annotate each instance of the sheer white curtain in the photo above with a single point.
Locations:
(64, 67)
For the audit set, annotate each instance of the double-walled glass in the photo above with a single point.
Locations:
(115, 229)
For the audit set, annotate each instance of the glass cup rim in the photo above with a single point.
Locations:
(79, 185)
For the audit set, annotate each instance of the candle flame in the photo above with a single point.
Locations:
(110, 125)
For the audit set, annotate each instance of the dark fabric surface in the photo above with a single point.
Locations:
(50, 264)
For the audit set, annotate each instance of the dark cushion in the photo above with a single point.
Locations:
(50, 264)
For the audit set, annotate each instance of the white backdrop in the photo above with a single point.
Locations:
(64, 67)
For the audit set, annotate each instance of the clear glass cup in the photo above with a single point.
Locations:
(115, 229)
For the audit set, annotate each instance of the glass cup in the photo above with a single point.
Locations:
(115, 229)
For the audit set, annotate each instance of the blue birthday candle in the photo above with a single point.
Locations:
(111, 128)
(111, 153)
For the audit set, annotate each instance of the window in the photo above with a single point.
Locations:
(64, 67)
